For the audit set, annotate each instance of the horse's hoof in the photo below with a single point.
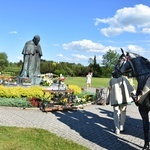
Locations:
(146, 147)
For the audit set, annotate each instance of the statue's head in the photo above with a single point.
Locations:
(36, 39)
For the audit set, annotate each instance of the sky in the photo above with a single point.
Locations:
(75, 30)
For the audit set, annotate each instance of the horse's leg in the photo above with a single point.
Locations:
(145, 118)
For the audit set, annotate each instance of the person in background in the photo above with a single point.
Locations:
(88, 79)
(119, 96)
(61, 77)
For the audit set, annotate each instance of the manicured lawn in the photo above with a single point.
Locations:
(81, 81)
(13, 138)
(96, 82)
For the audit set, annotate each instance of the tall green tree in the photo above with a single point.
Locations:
(109, 61)
(3, 61)
(95, 67)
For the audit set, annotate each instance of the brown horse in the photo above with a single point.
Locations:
(139, 67)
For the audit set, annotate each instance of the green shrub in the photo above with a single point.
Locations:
(14, 102)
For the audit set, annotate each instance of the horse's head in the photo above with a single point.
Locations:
(123, 65)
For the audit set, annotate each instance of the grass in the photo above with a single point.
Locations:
(81, 81)
(13, 138)
(96, 82)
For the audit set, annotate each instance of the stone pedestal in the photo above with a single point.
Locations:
(24, 80)
(33, 80)
(36, 80)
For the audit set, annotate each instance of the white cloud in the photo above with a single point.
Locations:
(113, 31)
(86, 46)
(79, 57)
(85, 59)
(146, 30)
(127, 19)
(13, 32)
(20, 58)
(63, 57)
(97, 49)
(60, 55)
(135, 48)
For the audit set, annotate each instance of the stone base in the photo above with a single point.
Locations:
(21, 80)
(34, 80)
(26, 84)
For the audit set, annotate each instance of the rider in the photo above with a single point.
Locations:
(119, 95)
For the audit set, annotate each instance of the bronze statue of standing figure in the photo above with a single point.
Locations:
(31, 60)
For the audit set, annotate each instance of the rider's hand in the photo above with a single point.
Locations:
(135, 99)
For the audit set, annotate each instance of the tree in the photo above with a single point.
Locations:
(3, 61)
(13, 71)
(45, 67)
(109, 61)
(94, 67)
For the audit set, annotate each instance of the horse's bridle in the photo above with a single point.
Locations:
(125, 58)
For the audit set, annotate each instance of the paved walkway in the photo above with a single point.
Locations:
(91, 127)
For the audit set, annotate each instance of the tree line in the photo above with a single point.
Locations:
(67, 69)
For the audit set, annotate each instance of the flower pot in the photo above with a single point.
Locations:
(35, 102)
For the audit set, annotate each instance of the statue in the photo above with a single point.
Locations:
(31, 60)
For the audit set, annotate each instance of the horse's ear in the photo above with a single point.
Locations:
(127, 54)
(123, 52)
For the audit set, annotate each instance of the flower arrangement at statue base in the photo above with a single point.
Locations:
(12, 80)
(26, 81)
(46, 81)
(36, 97)
(70, 99)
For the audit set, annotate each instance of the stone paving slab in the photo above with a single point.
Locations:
(91, 127)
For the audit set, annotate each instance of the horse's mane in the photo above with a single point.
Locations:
(141, 67)
(138, 56)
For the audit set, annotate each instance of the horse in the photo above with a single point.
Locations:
(137, 66)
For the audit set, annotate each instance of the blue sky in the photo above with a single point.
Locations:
(75, 30)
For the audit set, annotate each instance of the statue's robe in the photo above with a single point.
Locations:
(32, 56)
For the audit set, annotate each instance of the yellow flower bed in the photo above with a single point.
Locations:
(19, 91)
(33, 91)
(77, 89)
